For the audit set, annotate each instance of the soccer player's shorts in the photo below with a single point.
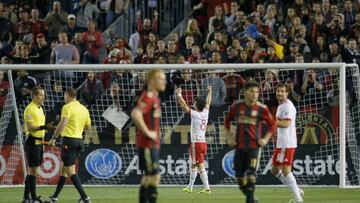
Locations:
(283, 156)
(149, 161)
(197, 152)
(70, 150)
(245, 161)
(34, 153)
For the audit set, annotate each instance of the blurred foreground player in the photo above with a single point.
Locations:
(146, 117)
(286, 142)
(198, 147)
(249, 116)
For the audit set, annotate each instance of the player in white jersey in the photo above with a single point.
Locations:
(198, 147)
(286, 143)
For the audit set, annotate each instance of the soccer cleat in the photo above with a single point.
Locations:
(87, 200)
(52, 200)
(205, 191)
(37, 200)
(295, 201)
(302, 193)
(188, 190)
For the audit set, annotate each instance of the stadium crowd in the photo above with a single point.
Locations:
(220, 31)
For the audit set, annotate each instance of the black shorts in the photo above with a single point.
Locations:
(149, 161)
(245, 161)
(34, 153)
(70, 150)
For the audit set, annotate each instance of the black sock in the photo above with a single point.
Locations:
(143, 194)
(243, 189)
(152, 194)
(59, 186)
(76, 181)
(250, 192)
(32, 186)
(27, 189)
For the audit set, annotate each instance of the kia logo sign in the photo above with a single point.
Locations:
(228, 163)
(103, 163)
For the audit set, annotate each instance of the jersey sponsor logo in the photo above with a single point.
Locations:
(2, 165)
(254, 113)
(247, 120)
(103, 163)
(50, 166)
(228, 163)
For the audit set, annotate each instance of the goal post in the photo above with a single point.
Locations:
(329, 152)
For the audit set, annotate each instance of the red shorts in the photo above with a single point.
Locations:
(197, 152)
(283, 156)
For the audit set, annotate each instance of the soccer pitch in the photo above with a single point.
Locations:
(175, 195)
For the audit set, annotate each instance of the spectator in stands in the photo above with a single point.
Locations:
(71, 28)
(171, 52)
(294, 50)
(190, 87)
(79, 45)
(161, 48)
(41, 49)
(218, 89)
(314, 30)
(8, 13)
(149, 57)
(195, 56)
(38, 25)
(335, 55)
(85, 11)
(91, 90)
(6, 42)
(194, 31)
(56, 20)
(351, 54)
(311, 83)
(189, 41)
(24, 26)
(209, 5)
(349, 13)
(64, 52)
(134, 42)
(23, 85)
(139, 83)
(114, 8)
(218, 20)
(336, 28)
(319, 47)
(234, 83)
(138, 55)
(93, 41)
(4, 88)
(144, 29)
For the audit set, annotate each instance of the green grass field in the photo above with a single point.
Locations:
(175, 195)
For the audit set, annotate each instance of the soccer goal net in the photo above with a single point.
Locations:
(326, 97)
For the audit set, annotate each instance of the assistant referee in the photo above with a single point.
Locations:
(75, 117)
(34, 119)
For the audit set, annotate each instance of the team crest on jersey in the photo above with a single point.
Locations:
(157, 114)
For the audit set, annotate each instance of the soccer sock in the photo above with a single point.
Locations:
(293, 185)
(282, 178)
(32, 186)
(76, 181)
(250, 192)
(152, 194)
(204, 179)
(26, 191)
(143, 194)
(193, 174)
(59, 186)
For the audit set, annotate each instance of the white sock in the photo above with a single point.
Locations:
(193, 174)
(282, 178)
(204, 179)
(290, 179)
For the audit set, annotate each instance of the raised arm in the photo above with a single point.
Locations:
(209, 97)
(181, 100)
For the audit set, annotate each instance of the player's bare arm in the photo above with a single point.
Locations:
(209, 97)
(230, 137)
(181, 100)
(138, 118)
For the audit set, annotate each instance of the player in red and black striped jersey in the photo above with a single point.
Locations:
(146, 116)
(250, 116)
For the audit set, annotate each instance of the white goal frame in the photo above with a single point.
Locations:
(340, 66)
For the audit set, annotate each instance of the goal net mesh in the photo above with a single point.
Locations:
(115, 92)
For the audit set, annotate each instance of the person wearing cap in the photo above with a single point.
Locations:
(70, 28)
(41, 48)
(24, 26)
(56, 19)
(294, 50)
